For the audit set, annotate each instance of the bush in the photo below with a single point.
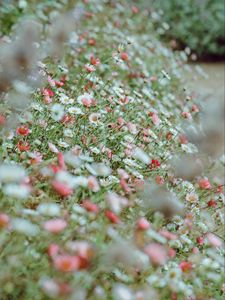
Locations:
(193, 23)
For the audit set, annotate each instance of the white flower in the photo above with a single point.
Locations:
(68, 132)
(49, 209)
(75, 110)
(192, 197)
(122, 292)
(85, 96)
(70, 180)
(24, 226)
(99, 169)
(64, 99)
(142, 156)
(57, 111)
(116, 202)
(16, 191)
(9, 135)
(11, 173)
(63, 144)
(94, 118)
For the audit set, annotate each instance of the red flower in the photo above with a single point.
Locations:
(124, 56)
(154, 164)
(90, 206)
(185, 266)
(94, 61)
(23, 130)
(113, 218)
(23, 146)
(211, 203)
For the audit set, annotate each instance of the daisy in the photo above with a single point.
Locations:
(94, 118)
(75, 110)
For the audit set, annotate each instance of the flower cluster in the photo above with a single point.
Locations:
(109, 186)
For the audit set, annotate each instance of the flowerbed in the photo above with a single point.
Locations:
(105, 194)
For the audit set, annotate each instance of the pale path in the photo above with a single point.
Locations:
(207, 80)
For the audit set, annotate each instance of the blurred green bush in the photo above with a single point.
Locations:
(198, 24)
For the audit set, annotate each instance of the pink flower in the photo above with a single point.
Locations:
(186, 115)
(155, 119)
(90, 206)
(53, 250)
(66, 263)
(159, 180)
(156, 253)
(204, 184)
(93, 184)
(55, 225)
(143, 224)
(194, 108)
(168, 235)
(61, 188)
(4, 220)
(214, 240)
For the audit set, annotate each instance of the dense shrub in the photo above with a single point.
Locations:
(198, 24)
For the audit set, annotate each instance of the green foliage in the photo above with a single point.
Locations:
(193, 23)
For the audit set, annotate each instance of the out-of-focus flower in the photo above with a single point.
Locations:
(62, 189)
(122, 292)
(24, 226)
(156, 253)
(55, 225)
(11, 173)
(66, 263)
(158, 198)
(204, 184)
(4, 220)
(185, 266)
(49, 209)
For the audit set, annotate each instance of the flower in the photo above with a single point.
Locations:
(191, 197)
(143, 224)
(75, 110)
(23, 146)
(185, 266)
(55, 225)
(62, 189)
(23, 130)
(93, 184)
(57, 111)
(94, 118)
(156, 253)
(64, 99)
(124, 56)
(113, 218)
(154, 164)
(4, 220)
(90, 206)
(11, 173)
(66, 263)
(204, 184)
(214, 240)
